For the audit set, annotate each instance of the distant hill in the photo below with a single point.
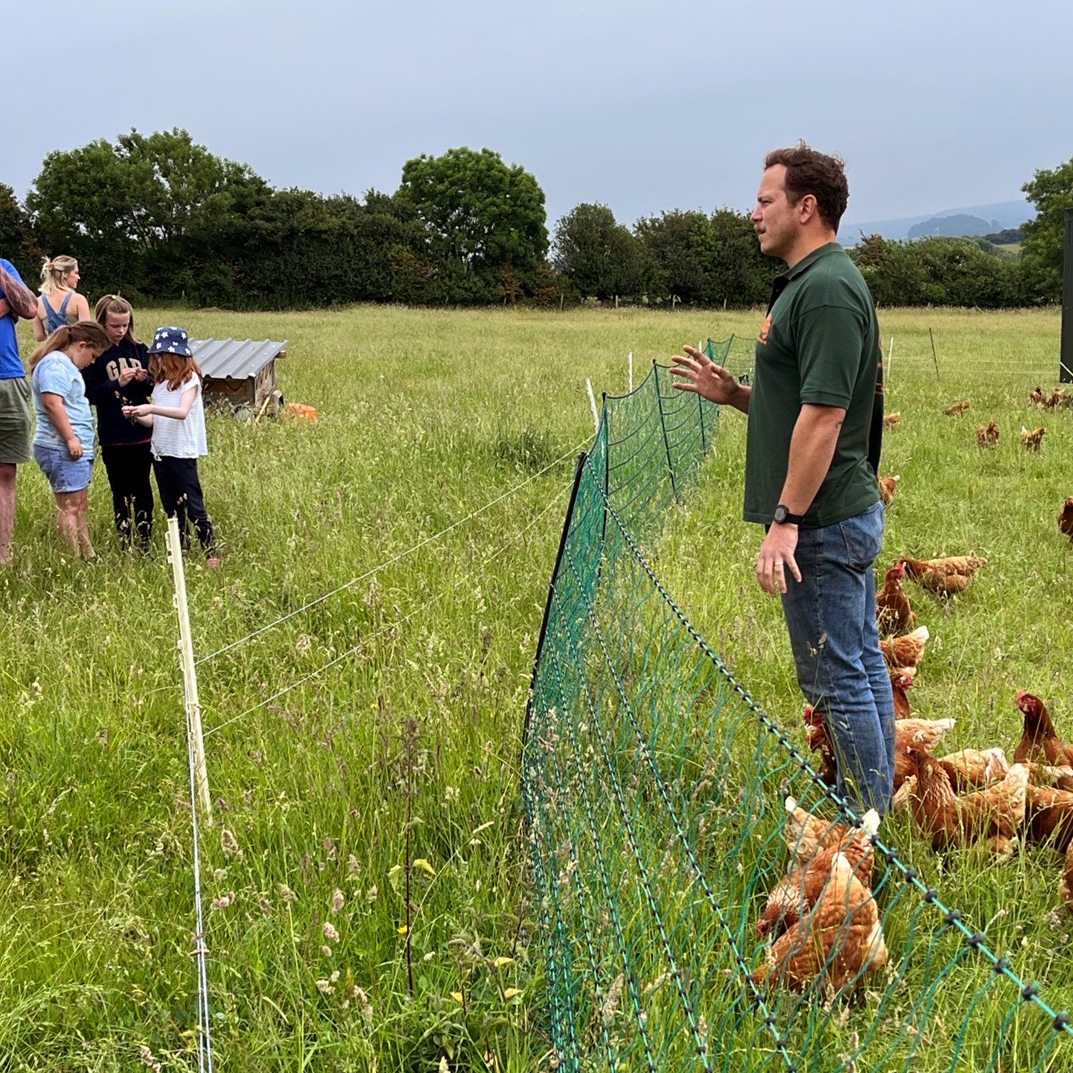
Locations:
(973, 220)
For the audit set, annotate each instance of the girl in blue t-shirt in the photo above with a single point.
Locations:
(63, 441)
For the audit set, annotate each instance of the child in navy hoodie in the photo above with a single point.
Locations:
(118, 378)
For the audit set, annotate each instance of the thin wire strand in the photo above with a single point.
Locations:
(390, 562)
(383, 629)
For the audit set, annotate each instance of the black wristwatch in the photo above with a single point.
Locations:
(782, 515)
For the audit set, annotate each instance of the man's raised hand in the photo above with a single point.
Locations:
(697, 372)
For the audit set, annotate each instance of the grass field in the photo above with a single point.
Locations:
(364, 656)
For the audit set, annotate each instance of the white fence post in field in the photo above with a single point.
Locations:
(592, 402)
(890, 357)
(186, 658)
(630, 360)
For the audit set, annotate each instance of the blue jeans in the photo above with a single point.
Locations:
(831, 617)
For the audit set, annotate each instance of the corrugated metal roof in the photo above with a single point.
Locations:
(235, 359)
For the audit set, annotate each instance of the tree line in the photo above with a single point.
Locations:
(160, 219)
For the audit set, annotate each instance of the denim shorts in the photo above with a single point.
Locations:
(64, 474)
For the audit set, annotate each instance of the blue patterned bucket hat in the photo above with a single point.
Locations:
(171, 340)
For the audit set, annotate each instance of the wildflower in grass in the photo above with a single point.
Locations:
(456, 995)
(352, 865)
(450, 793)
(512, 992)
(402, 929)
(148, 1059)
(229, 844)
(286, 893)
(325, 987)
(364, 1004)
(330, 933)
(338, 901)
(326, 950)
(370, 894)
(224, 900)
(501, 961)
(444, 1067)
(610, 1004)
(329, 849)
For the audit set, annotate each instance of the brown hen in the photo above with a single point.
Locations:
(893, 612)
(819, 741)
(1065, 518)
(920, 735)
(801, 888)
(1049, 816)
(1039, 740)
(968, 769)
(906, 651)
(901, 679)
(887, 487)
(987, 435)
(807, 836)
(1032, 440)
(994, 813)
(839, 941)
(943, 576)
(957, 408)
(893, 420)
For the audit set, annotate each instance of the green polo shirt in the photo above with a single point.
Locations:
(819, 344)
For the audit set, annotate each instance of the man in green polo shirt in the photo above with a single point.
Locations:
(812, 449)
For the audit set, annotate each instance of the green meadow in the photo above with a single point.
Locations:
(363, 662)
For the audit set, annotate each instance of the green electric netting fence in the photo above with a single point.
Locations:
(654, 785)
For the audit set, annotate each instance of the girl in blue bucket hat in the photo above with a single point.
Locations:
(177, 417)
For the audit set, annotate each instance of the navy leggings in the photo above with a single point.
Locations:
(180, 495)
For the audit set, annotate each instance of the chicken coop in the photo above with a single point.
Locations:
(240, 374)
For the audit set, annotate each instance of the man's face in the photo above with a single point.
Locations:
(774, 218)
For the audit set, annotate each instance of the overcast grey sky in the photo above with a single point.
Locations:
(643, 106)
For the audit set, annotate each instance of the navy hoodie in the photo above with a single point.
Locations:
(104, 392)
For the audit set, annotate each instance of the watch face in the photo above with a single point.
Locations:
(780, 514)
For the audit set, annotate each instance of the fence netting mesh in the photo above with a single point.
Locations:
(654, 790)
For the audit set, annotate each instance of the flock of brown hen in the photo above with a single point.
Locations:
(821, 919)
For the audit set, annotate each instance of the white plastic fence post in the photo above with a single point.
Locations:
(186, 659)
(592, 401)
(630, 359)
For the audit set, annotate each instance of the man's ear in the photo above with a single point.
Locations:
(807, 208)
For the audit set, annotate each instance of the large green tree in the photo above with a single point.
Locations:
(1051, 191)
(707, 260)
(124, 209)
(16, 235)
(680, 248)
(599, 256)
(484, 223)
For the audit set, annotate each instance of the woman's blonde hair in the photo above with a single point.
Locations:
(174, 368)
(53, 269)
(113, 303)
(83, 331)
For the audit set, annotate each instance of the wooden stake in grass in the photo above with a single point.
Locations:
(186, 659)
(934, 356)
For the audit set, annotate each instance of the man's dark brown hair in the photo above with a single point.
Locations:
(810, 172)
